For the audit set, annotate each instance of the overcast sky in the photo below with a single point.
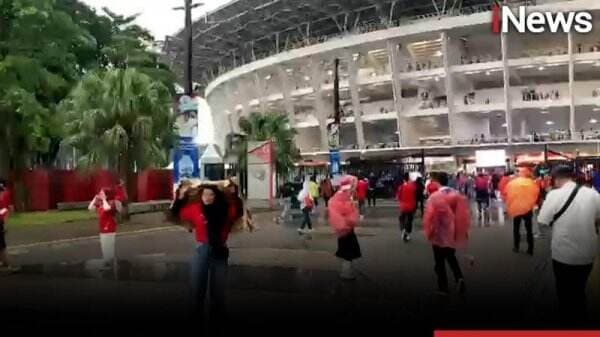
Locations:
(156, 15)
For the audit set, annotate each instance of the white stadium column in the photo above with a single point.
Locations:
(394, 57)
(261, 92)
(353, 68)
(572, 126)
(320, 108)
(284, 79)
(449, 87)
(507, 98)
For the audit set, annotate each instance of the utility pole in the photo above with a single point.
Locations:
(188, 64)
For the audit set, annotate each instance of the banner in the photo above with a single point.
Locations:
(334, 159)
(186, 160)
(261, 171)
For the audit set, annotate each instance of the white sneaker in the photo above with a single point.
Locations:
(407, 237)
(311, 230)
(300, 231)
(362, 217)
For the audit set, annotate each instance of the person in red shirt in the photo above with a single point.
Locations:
(406, 195)
(205, 211)
(482, 192)
(106, 207)
(432, 186)
(121, 196)
(362, 189)
(4, 211)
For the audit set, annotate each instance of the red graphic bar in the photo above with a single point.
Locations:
(517, 333)
(496, 19)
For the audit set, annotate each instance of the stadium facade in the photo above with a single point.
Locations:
(415, 74)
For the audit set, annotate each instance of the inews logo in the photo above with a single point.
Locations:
(504, 20)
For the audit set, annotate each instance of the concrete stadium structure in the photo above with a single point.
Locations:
(414, 75)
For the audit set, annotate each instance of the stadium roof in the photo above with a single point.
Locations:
(246, 30)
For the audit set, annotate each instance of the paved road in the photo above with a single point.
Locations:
(280, 278)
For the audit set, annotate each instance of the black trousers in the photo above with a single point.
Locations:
(421, 204)
(372, 196)
(571, 281)
(441, 256)
(306, 221)
(528, 219)
(406, 221)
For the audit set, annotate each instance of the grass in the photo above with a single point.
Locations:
(49, 217)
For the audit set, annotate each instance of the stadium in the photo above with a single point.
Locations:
(425, 79)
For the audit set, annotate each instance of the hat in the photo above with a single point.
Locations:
(346, 183)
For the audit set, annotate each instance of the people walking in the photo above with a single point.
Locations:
(313, 188)
(372, 194)
(522, 195)
(326, 189)
(107, 208)
(432, 185)
(362, 189)
(406, 195)
(343, 218)
(286, 193)
(306, 205)
(573, 212)
(446, 225)
(482, 192)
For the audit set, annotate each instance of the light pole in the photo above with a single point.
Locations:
(187, 71)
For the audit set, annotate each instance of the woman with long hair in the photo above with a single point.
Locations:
(343, 218)
(205, 211)
(106, 207)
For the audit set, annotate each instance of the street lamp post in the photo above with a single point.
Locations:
(187, 71)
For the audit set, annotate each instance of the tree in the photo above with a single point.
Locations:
(38, 66)
(120, 119)
(276, 127)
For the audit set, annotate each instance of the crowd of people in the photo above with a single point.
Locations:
(563, 200)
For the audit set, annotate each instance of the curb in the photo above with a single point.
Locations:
(95, 237)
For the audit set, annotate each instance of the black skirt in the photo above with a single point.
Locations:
(348, 247)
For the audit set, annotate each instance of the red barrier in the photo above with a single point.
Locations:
(46, 188)
(37, 184)
(154, 185)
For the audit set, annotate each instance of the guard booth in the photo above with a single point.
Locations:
(211, 164)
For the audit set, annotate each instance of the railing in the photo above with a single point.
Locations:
(365, 27)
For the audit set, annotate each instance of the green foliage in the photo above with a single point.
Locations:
(276, 127)
(46, 47)
(121, 118)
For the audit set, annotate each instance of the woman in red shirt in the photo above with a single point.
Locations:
(106, 207)
(205, 211)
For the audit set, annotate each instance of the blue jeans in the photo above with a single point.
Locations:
(208, 271)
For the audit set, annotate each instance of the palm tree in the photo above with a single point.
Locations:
(120, 119)
(276, 127)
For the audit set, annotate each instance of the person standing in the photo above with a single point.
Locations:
(362, 189)
(343, 218)
(326, 189)
(306, 205)
(446, 225)
(406, 195)
(522, 195)
(106, 207)
(482, 192)
(420, 194)
(4, 212)
(286, 193)
(573, 212)
(205, 211)
(372, 193)
(121, 196)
